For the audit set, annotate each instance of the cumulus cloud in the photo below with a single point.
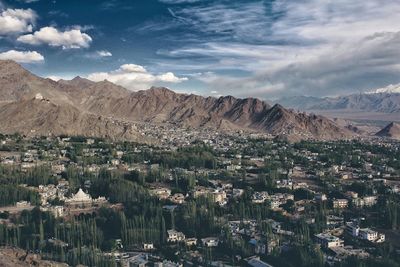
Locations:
(135, 77)
(22, 56)
(170, 78)
(16, 21)
(51, 36)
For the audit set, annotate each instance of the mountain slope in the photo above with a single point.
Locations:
(44, 117)
(17, 84)
(282, 122)
(392, 130)
(226, 113)
(33, 105)
(78, 82)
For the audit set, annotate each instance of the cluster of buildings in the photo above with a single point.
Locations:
(354, 230)
(174, 236)
(239, 161)
(275, 200)
(219, 195)
(56, 199)
(332, 240)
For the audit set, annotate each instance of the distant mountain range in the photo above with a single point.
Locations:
(383, 101)
(36, 106)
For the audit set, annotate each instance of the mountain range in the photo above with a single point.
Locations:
(381, 101)
(32, 105)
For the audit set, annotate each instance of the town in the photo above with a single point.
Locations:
(202, 198)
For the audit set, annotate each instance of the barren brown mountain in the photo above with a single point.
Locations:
(392, 130)
(34, 105)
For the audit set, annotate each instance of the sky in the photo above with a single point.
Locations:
(245, 48)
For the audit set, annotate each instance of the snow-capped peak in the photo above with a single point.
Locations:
(393, 88)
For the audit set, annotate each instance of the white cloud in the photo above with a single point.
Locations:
(126, 68)
(313, 47)
(244, 22)
(104, 53)
(58, 77)
(15, 21)
(101, 54)
(169, 77)
(323, 70)
(22, 56)
(173, 2)
(135, 77)
(68, 39)
(335, 21)
(54, 78)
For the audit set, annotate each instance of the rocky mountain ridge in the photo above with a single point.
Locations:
(392, 130)
(83, 107)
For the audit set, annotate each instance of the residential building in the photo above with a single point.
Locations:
(191, 241)
(329, 241)
(352, 229)
(255, 261)
(210, 241)
(340, 203)
(175, 236)
(371, 235)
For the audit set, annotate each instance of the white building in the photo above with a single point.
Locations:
(255, 261)
(371, 235)
(175, 236)
(259, 197)
(148, 246)
(354, 230)
(368, 234)
(210, 242)
(320, 197)
(191, 242)
(340, 203)
(329, 241)
(83, 199)
(79, 197)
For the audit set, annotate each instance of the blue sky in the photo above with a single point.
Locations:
(267, 49)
